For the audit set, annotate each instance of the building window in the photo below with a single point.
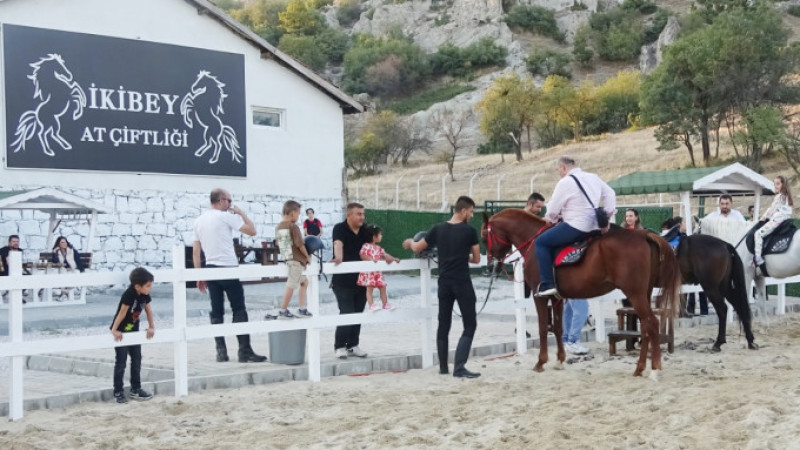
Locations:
(268, 117)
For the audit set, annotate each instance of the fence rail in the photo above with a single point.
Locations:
(17, 349)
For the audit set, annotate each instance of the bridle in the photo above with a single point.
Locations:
(492, 238)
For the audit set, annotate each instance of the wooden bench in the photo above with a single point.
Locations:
(86, 258)
(628, 330)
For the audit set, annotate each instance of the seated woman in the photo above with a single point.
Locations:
(780, 210)
(632, 221)
(68, 256)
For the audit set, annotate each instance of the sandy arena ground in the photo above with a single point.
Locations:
(739, 399)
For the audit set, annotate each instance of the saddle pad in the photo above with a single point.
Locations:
(572, 253)
(776, 242)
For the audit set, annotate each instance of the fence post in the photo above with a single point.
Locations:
(16, 401)
(358, 182)
(181, 350)
(470, 184)
(519, 295)
(313, 334)
(444, 190)
(533, 178)
(397, 192)
(418, 184)
(781, 305)
(596, 310)
(425, 302)
(500, 182)
(377, 200)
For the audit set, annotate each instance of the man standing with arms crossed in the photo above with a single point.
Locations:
(213, 234)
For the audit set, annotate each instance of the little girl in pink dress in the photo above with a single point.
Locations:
(371, 251)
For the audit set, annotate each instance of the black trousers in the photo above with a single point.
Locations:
(703, 303)
(451, 291)
(136, 366)
(218, 289)
(351, 300)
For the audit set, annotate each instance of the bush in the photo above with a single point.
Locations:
(367, 51)
(580, 47)
(444, 19)
(304, 49)
(642, 6)
(495, 145)
(426, 99)
(333, 43)
(348, 13)
(385, 77)
(536, 19)
(548, 62)
(794, 10)
(486, 53)
(458, 62)
(618, 100)
(652, 32)
(578, 5)
(620, 43)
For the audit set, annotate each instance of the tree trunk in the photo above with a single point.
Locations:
(704, 140)
(687, 141)
(530, 146)
(518, 149)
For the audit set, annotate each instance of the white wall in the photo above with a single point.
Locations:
(305, 160)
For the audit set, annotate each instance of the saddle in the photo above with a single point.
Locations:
(673, 237)
(776, 242)
(573, 253)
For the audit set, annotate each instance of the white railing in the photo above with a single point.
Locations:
(18, 349)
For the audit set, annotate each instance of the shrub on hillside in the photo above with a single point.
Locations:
(536, 19)
(581, 51)
(333, 43)
(548, 62)
(794, 10)
(642, 6)
(655, 28)
(460, 62)
(617, 99)
(367, 51)
(348, 13)
(303, 48)
(618, 34)
(385, 77)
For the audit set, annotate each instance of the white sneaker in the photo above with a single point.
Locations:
(576, 348)
(341, 353)
(355, 351)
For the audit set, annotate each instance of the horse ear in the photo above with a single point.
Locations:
(485, 217)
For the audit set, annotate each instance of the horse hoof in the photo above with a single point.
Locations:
(752, 346)
(638, 372)
(654, 375)
(538, 368)
(559, 365)
(715, 349)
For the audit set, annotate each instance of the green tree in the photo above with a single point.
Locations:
(617, 100)
(368, 51)
(569, 106)
(261, 16)
(300, 17)
(581, 50)
(508, 109)
(303, 48)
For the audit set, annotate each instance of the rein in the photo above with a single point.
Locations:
(492, 236)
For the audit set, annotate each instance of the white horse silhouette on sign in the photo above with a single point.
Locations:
(204, 104)
(57, 92)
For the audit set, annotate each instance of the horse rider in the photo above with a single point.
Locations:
(577, 213)
(780, 210)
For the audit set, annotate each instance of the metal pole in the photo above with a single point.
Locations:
(357, 192)
(418, 184)
(397, 193)
(444, 189)
(533, 178)
(427, 323)
(377, 182)
(470, 184)
(313, 334)
(16, 399)
(181, 349)
(499, 182)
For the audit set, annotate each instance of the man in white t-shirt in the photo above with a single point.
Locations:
(726, 210)
(213, 235)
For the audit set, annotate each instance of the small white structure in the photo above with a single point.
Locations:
(161, 101)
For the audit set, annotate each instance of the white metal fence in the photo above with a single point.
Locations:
(18, 349)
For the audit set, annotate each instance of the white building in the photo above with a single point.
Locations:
(144, 106)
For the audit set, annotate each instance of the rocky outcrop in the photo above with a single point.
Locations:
(652, 54)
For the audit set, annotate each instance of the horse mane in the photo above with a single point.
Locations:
(37, 92)
(215, 84)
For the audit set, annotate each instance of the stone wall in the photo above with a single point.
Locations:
(145, 225)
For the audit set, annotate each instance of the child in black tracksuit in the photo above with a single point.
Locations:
(134, 299)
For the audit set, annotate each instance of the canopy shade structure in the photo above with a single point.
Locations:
(732, 179)
(59, 205)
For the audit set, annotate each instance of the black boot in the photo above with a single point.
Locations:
(462, 354)
(246, 353)
(222, 349)
(441, 349)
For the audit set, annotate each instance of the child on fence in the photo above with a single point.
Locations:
(293, 248)
(371, 251)
(134, 299)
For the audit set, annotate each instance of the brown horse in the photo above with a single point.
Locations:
(633, 261)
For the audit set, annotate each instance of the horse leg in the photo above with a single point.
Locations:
(217, 150)
(45, 145)
(650, 323)
(541, 311)
(558, 329)
(57, 137)
(722, 316)
(206, 145)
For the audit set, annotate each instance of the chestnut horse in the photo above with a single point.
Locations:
(633, 261)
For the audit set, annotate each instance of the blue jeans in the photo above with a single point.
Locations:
(576, 311)
(546, 245)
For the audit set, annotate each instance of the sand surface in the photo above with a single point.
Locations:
(735, 399)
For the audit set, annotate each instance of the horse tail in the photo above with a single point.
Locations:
(668, 276)
(737, 288)
(231, 143)
(25, 130)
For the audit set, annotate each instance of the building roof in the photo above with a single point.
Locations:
(49, 200)
(731, 179)
(269, 51)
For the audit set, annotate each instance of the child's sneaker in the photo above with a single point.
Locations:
(374, 307)
(388, 306)
(303, 312)
(139, 395)
(120, 397)
(286, 314)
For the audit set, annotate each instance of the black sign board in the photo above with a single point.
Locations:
(89, 102)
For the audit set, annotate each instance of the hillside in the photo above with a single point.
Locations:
(609, 156)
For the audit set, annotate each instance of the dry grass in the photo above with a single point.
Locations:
(610, 156)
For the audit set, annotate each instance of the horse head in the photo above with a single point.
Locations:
(209, 84)
(504, 230)
(46, 72)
